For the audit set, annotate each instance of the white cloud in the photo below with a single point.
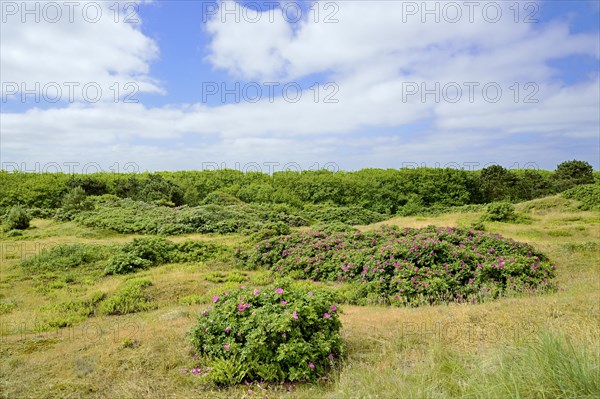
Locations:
(371, 54)
(87, 42)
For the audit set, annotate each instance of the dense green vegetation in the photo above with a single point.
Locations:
(128, 259)
(65, 257)
(18, 218)
(588, 195)
(107, 313)
(143, 253)
(410, 266)
(390, 191)
(276, 334)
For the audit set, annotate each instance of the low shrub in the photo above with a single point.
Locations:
(74, 201)
(352, 215)
(410, 266)
(156, 250)
(478, 225)
(14, 233)
(271, 230)
(199, 251)
(65, 257)
(41, 213)
(18, 218)
(128, 216)
(146, 252)
(588, 195)
(132, 298)
(335, 227)
(280, 333)
(123, 263)
(221, 198)
(500, 212)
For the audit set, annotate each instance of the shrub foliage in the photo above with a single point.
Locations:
(411, 266)
(588, 195)
(280, 333)
(18, 218)
(132, 298)
(500, 212)
(390, 191)
(145, 252)
(65, 257)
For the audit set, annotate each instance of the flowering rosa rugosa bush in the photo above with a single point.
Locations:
(409, 265)
(279, 333)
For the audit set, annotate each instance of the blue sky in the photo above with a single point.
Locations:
(356, 84)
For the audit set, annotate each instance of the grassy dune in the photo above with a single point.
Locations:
(545, 346)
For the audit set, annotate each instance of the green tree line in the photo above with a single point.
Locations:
(381, 190)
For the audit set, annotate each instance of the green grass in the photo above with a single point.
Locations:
(549, 366)
(530, 346)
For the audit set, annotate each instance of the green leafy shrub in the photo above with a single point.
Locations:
(284, 213)
(65, 257)
(352, 215)
(156, 250)
(572, 173)
(221, 198)
(128, 217)
(123, 263)
(410, 266)
(104, 198)
(149, 188)
(335, 227)
(146, 252)
(18, 218)
(271, 230)
(14, 233)
(478, 225)
(413, 206)
(588, 195)
(132, 298)
(74, 201)
(280, 333)
(199, 251)
(500, 212)
(91, 185)
(41, 213)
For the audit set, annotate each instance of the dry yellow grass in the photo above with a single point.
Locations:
(392, 352)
